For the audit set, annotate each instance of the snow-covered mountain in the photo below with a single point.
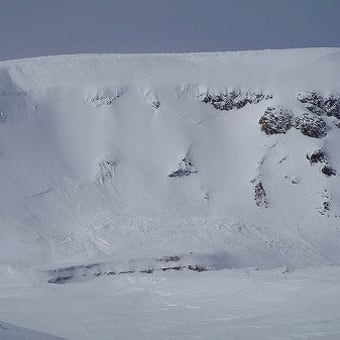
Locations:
(217, 160)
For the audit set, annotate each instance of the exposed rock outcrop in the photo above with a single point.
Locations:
(276, 120)
(328, 170)
(319, 156)
(260, 196)
(326, 206)
(155, 104)
(152, 100)
(106, 97)
(234, 99)
(311, 126)
(185, 168)
(314, 102)
(170, 258)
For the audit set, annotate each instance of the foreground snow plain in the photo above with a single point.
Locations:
(226, 304)
(122, 183)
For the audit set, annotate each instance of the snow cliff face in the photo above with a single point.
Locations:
(143, 156)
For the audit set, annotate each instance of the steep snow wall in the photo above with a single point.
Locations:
(140, 156)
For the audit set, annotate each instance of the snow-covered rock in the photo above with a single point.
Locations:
(185, 168)
(316, 103)
(317, 156)
(276, 120)
(106, 170)
(311, 125)
(260, 196)
(234, 99)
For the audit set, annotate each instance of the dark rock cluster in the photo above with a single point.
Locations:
(234, 99)
(276, 120)
(314, 102)
(311, 125)
(326, 206)
(101, 99)
(185, 168)
(279, 120)
(260, 196)
(105, 98)
(170, 258)
(93, 270)
(319, 156)
(155, 104)
(328, 170)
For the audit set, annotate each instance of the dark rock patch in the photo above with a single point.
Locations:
(311, 126)
(91, 271)
(317, 156)
(171, 258)
(155, 104)
(60, 279)
(147, 271)
(152, 100)
(326, 206)
(126, 272)
(172, 268)
(260, 196)
(185, 168)
(106, 97)
(328, 170)
(332, 106)
(197, 268)
(234, 99)
(276, 120)
(295, 181)
(314, 102)
(282, 160)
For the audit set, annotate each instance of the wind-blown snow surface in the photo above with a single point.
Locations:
(114, 161)
(226, 304)
(17, 333)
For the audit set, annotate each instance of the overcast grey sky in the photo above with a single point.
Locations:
(45, 27)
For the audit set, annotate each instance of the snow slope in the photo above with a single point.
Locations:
(117, 158)
(10, 332)
(171, 196)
